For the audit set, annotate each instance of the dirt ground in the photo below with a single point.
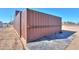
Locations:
(9, 40)
(75, 43)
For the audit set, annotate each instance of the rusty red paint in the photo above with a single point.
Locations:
(35, 24)
(24, 24)
(17, 22)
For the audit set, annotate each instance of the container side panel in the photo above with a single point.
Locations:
(16, 23)
(40, 19)
(40, 24)
(35, 33)
(24, 24)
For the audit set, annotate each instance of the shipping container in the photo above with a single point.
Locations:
(24, 24)
(17, 22)
(40, 24)
(31, 24)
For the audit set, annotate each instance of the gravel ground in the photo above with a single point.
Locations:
(52, 42)
(9, 39)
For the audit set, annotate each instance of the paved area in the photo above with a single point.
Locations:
(57, 41)
(75, 43)
(9, 40)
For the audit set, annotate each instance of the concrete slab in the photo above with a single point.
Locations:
(57, 41)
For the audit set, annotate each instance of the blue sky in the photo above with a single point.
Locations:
(67, 14)
(6, 14)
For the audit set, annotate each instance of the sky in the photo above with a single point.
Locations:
(7, 14)
(67, 14)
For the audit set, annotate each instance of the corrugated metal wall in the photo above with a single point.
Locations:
(20, 23)
(17, 22)
(32, 25)
(40, 24)
(24, 24)
(41, 19)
